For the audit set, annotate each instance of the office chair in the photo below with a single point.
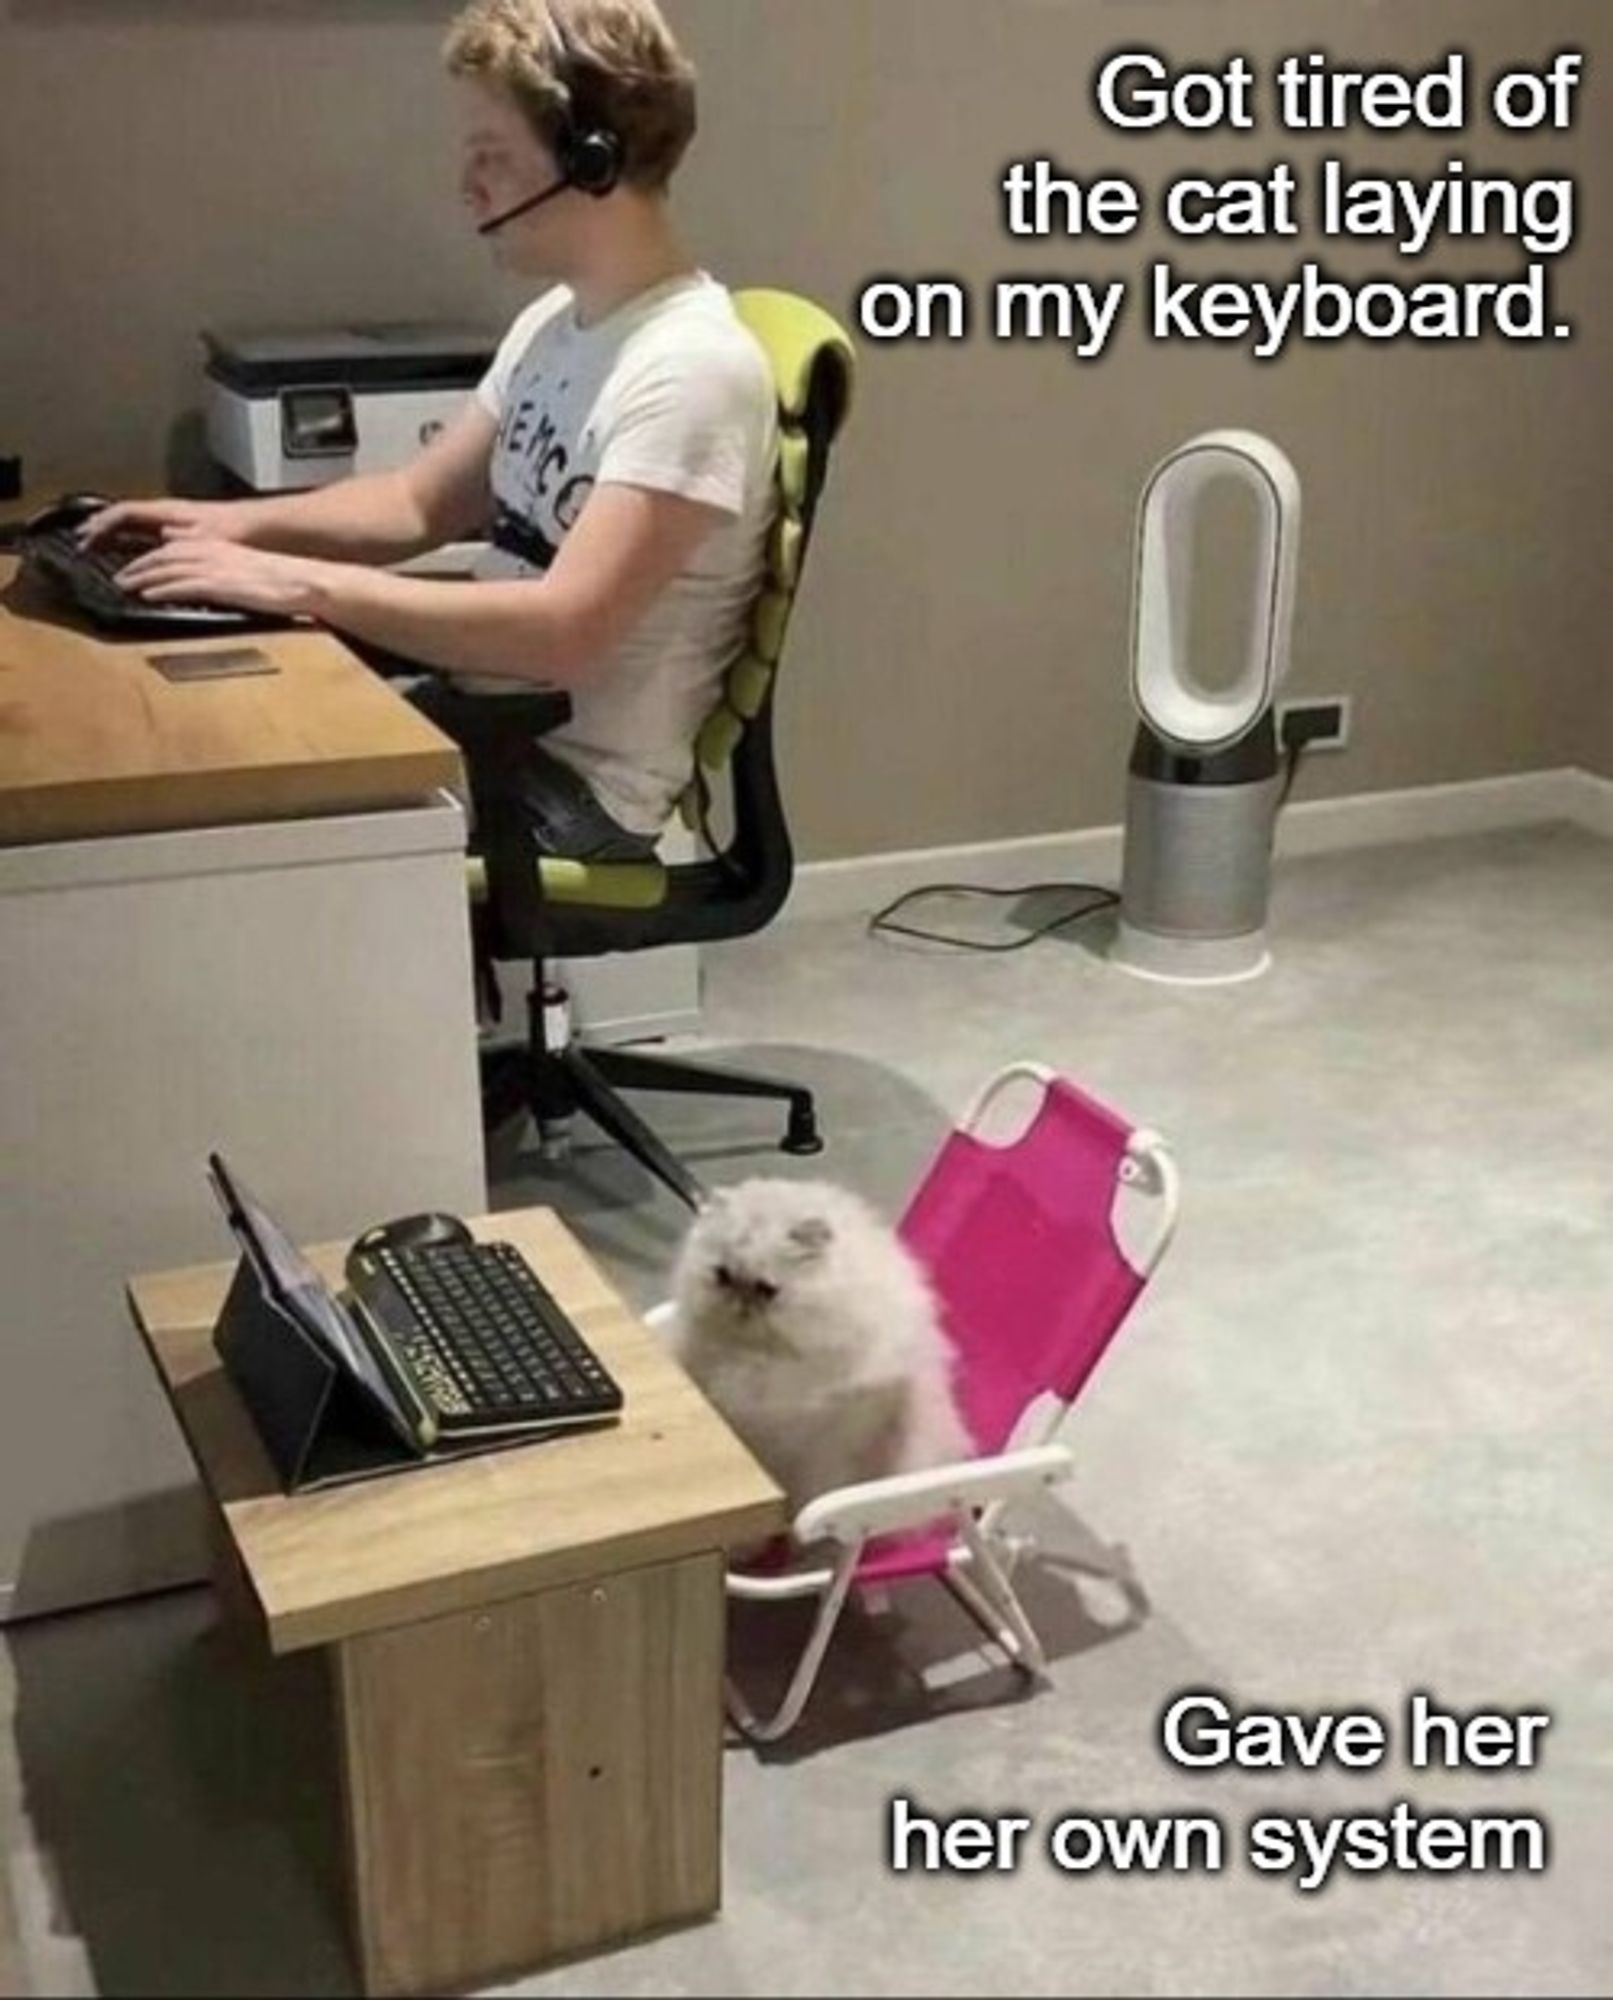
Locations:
(532, 909)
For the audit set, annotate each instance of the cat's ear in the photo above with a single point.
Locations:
(811, 1236)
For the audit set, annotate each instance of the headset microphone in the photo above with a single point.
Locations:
(526, 207)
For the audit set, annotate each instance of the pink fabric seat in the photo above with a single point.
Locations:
(895, 1558)
(1019, 1243)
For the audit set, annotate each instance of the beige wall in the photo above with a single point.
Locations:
(187, 161)
(1599, 750)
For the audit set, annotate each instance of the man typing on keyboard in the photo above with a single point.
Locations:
(622, 445)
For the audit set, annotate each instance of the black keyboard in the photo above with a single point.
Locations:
(485, 1340)
(87, 578)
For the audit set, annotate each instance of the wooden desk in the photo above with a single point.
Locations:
(94, 741)
(527, 1647)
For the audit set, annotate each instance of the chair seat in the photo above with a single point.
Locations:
(886, 1559)
(894, 1558)
(598, 885)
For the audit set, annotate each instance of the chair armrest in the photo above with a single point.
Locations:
(494, 732)
(910, 1499)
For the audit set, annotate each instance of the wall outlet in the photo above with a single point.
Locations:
(1315, 725)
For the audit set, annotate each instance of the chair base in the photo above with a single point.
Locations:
(552, 1084)
(977, 1573)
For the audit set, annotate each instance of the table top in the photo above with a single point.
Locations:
(95, 742)
(669, 1480)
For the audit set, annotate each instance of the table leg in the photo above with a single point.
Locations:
(535, 1779)
(239, 1614)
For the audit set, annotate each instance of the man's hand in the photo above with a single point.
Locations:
(193, 569)
(216, 520)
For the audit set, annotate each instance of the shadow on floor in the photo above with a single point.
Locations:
(182, 1789)
(924, 1658)
(182, 1786)
(881, 1132)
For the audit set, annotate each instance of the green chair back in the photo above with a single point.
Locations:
(594, 907)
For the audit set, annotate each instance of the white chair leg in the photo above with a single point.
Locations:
(988, 1578)
(1114, 1565)
(804, 1679)
(981, 1609)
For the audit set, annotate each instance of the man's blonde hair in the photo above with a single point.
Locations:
(581, 63)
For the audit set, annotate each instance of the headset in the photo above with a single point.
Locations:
(589, 152)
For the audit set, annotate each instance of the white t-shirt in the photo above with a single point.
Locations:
(671, 393)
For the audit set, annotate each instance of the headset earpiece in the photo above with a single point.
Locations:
(592, 160)
(591, 155)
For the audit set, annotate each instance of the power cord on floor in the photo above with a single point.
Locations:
(1098, 900)
(884, 924)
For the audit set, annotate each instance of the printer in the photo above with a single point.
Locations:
(288, 410)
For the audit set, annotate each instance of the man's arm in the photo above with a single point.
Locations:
(627, 546)
(442, 495)
(384, 517)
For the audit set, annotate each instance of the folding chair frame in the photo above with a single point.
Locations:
(973, 1494)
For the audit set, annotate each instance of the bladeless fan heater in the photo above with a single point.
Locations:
(1202, 803)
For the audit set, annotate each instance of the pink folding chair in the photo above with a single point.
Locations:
(1021, 1242)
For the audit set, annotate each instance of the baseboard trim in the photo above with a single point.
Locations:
(866, 883)
(1429, 812)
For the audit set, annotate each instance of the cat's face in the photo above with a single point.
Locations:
(753, 1248)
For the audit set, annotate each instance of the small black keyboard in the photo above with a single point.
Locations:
(485, 1340)
(87, 577)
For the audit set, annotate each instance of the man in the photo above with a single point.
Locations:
(622, 445)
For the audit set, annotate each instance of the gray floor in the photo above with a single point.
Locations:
(1354, 1444)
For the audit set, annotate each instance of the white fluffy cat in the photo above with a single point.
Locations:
(807, 1323)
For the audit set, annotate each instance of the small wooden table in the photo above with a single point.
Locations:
(527, 1646)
